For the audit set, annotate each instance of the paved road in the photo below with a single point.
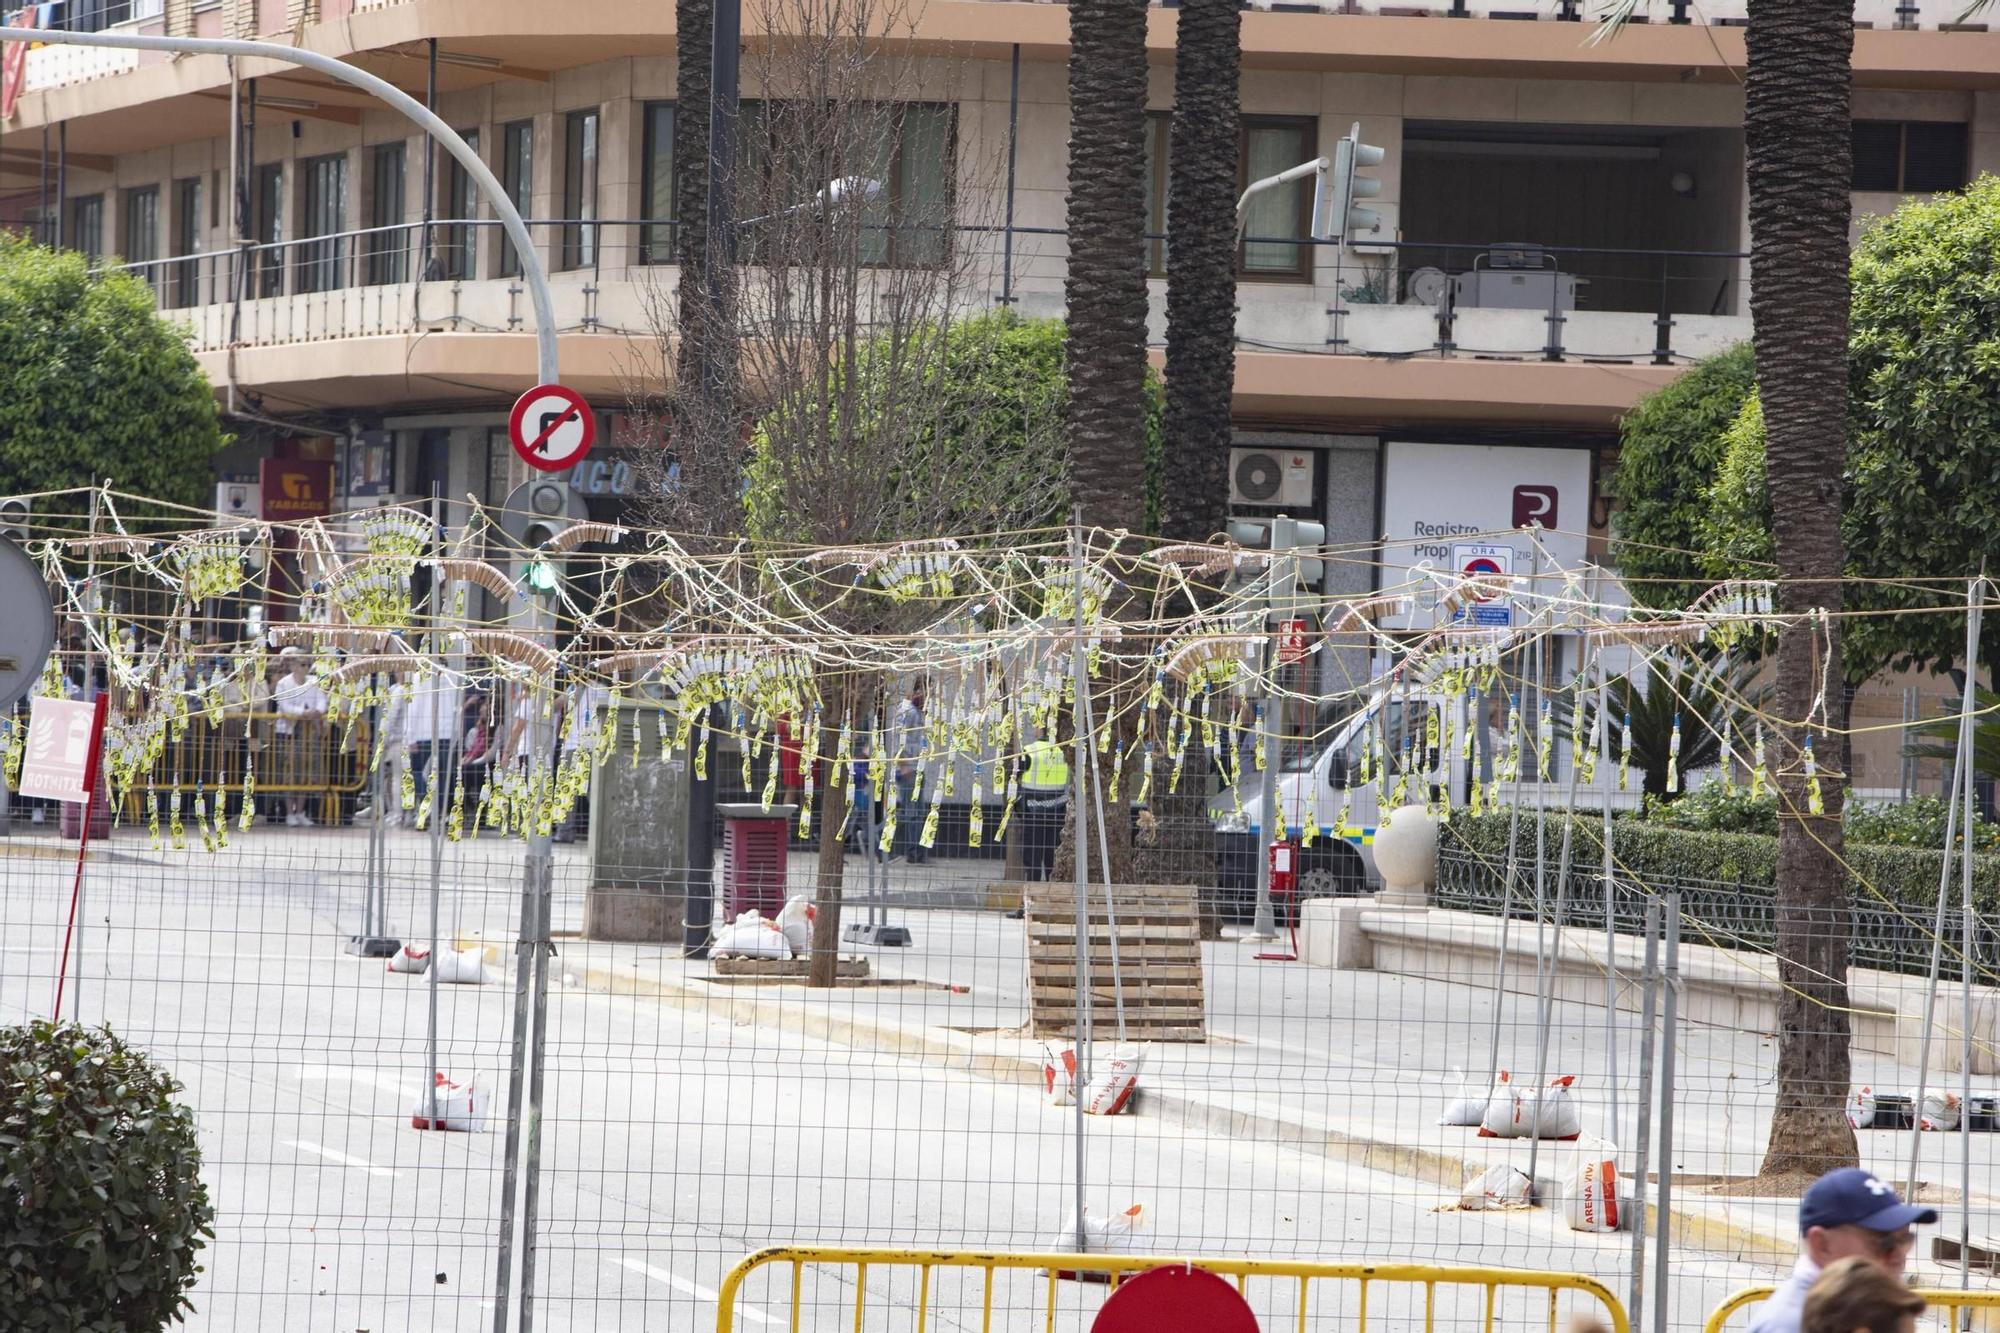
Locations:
(675, 1141)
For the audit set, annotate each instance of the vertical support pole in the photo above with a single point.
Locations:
(1080, 673)
(1013, 130)
(435, 798)
(1670, 989)
(1959, 791)
(1975, 605)
(700, 900)
(62, 184)
(1546, 1010)
(1643, 1136)
(1610, 899)
(1509, 874)
(1663, 323)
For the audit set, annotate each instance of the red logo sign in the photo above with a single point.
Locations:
(295, 489)
(1535, 506)
(63, 737)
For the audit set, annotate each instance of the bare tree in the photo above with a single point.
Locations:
(866, 405)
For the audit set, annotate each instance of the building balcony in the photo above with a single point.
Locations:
(344, 322)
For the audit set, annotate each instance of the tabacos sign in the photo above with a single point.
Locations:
(294, 489)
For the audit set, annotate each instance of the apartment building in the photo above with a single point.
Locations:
(1563, 224)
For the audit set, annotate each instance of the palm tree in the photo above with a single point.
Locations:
(1796, 120)
(1201, 267)
(1106, 286)
(1707, 698)
(1800, 157)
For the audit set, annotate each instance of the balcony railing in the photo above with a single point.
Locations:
(1402, 299)
(1891, 14)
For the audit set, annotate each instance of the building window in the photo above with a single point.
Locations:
(1158, 125)
(908, 147)
(517, 177)
(322, 219)
(388, 247)
(267, 228)
(1909, 156)
(86, 226)
(187, 241)
(656, 186)
(97, 15)
(458, 239)
(142, 232)
(1271, 145)
(579, 244)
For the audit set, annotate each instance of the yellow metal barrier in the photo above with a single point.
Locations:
(1937, 1298)
(323, 759)
(852, 1268)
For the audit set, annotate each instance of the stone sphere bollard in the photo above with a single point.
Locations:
(1406, 855)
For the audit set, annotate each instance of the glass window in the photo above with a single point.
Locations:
(1270, 146)
(142, 231)
(908, 148)
(187, 241)
(579, 246)
(656, 186)
(388, 246)
(322, 262)
(267, 227)
(1909, 156)
(517, 177)
(458, 239)
(1158, 125)
(86, 226)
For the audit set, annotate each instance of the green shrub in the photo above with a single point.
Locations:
(1711, 809)
(1917, 822)
(102, 1209)
(1658, 854)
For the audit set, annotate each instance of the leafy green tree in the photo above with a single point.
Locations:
(97, 385)
(1670, 446)
(970, 438)
(1922, 482)
(102, 1209)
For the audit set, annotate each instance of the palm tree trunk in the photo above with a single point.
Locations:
(695, 25)
(1106, 286)
(1800, 173)
(1201, 268)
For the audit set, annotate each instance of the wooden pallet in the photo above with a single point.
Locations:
(1159, 955)
(776, 968)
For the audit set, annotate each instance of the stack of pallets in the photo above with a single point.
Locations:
(1159, 952)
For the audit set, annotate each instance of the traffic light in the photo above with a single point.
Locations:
(14, 513)
(536, 511)
(1292, 572)
(1342, 220)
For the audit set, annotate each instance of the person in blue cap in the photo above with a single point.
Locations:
(1844, 1214)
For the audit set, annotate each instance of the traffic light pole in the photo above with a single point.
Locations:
(532, 272)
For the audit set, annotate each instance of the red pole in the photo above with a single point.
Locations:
(90, 773)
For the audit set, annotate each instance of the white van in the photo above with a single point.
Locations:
(1314, 781)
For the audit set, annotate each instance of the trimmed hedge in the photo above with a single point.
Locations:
(1653, 854)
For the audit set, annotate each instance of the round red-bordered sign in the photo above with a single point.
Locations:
(1485, 573)
(551, 427)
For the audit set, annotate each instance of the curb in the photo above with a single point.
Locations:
(1429, 1166)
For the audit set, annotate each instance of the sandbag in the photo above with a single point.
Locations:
(408, 960)
(750, 936)
(1469, 1107)
(1590, 1199)
(463, 967)
(1861, 1108)
(1938, 1111)
(1499, 1186)
(1515, 1115)
(461, 1107)
(1059, 1073)
(1497, 1120)
(795, 923)
(1111, 1091)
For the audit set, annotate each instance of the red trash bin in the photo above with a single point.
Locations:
(754, 843)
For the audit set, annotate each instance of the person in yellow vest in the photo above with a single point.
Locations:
(1044, 800)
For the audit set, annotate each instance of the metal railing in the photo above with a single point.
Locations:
(1400, 299)
(1734, 914)
(246, 755)
(1420, 1285)
(1958, 1304)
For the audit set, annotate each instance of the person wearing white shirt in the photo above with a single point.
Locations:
(1844, 1214)
(432, 713)
(301, 707)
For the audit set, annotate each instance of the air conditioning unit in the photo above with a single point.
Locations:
(237, 501)
(1282, 478)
